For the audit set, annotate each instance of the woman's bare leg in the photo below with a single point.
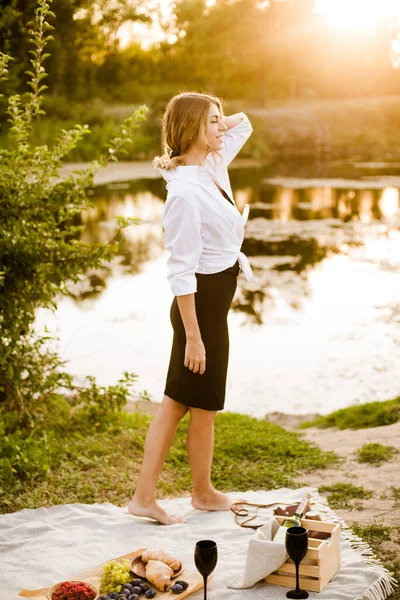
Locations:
(200, 447)
(159, 438)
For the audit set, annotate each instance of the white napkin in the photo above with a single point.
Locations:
(263, 556)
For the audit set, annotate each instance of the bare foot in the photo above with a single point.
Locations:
(153, 511)
(212, 501)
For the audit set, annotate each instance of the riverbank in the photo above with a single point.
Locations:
(357, 128)
(383, 505)
(131, 170)
(363, 129)
(100, 462)
(364, 494)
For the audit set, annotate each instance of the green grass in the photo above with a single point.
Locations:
(101, 464)
(396, 494)
(383, 540)
(374, 534)
(362, 128)
(342, 494)
(370, 414)
(375, 453)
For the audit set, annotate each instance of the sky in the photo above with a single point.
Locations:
(350, 15)
(357, 14)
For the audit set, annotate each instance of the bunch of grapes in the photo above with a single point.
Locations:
(115, 574)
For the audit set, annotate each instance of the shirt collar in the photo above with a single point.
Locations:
(191, 173)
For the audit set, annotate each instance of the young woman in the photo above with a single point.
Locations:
(203, 231)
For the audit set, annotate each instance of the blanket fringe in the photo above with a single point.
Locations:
(386, 584)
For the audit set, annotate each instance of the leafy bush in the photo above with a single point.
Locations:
(96, 403)
(40, 253)
(26, 458)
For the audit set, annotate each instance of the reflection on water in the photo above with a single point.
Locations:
(313, 334)
(325, 202)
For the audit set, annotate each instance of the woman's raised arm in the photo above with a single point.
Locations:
(238, 132)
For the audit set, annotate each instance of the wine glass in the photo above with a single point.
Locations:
(205, 557)
(296, 545)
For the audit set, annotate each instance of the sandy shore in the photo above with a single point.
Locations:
(128, 170)
(382, 508)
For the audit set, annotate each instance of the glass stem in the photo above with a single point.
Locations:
(297, 577)
(205, 586)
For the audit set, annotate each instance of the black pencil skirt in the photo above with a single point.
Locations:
(213, 299)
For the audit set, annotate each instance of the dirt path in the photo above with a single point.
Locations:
(383, 508)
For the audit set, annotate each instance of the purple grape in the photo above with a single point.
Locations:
(184, 584)
(136, 590)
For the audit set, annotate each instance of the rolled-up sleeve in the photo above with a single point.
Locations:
(235, 138)
(182, 238)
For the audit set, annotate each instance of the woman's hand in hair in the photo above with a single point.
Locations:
(231, 121)
(195, 355)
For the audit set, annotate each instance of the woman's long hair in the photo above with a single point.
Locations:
(183, 123)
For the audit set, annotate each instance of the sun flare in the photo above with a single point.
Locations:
(348, 15)
(358, 15)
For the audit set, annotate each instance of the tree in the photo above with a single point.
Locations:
(87, 34)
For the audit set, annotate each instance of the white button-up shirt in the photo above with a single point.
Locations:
(203, 231)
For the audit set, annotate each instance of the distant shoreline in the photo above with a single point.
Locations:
(131, 170)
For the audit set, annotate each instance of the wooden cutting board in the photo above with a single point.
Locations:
(93, 576)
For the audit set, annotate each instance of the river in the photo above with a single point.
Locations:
(320, 330)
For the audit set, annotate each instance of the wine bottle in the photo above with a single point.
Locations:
(294, 521)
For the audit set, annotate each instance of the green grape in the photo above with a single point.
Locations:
(114, 574)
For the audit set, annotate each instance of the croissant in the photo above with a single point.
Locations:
(162, 555)
(159, 574)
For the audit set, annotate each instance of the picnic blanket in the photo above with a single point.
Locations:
(43, 546)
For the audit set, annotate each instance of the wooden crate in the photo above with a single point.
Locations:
(320, 563)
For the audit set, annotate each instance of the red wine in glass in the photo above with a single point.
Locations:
(296, 545)
(205, 558)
